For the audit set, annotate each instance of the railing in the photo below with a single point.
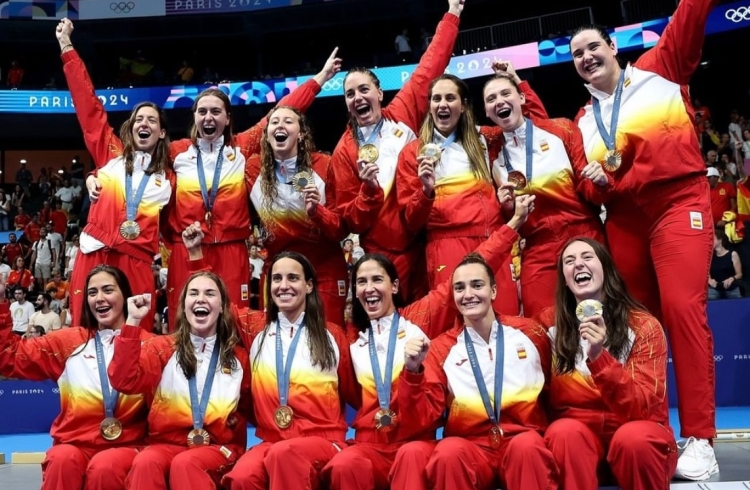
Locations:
(521, 31)
(642, 10)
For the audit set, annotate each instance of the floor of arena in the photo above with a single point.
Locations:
(733, 457)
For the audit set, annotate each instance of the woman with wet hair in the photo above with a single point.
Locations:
(134, 183)
(608, 394)
(99, 430)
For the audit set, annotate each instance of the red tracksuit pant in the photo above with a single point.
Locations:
(662, 244)
(139, 274)
(366, 466)
(642, 455)
(522, 463)
(228, 260)
(163, 466)
(69, 467)
(294, 463)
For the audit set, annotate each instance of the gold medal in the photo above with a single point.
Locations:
(432, 151)
(517, 179)
(130, 230)
(588, 308)
(110, 428)
(496, 436)
(385, 420)
(612, 161)
(208, 219)
(198, 437)
(369, 153)
(301, 180)
(283, 417)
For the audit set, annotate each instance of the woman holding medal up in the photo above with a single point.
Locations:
(388, 452)
(640, 124)
(198, 380)
(365, 159)
(134, 184)
(542, 157)
(491, 438)
(608, 394)
(289, 185)
(98, 431)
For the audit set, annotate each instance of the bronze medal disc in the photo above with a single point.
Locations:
(385, 420)
(301, 180)
(283, 417)
(198, 437)
(432, 151)
(111, 429)
(612, 161)
(496, 437)
(130, 230)
(517, 179)
(588, 308)
(369, 153)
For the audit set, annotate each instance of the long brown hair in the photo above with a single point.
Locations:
(88, 318)
(618, 306)
(375, 81)
(466, 131)
(226, 331)
(160, 156)
(228, 132)
(305, 149)
(322, 353)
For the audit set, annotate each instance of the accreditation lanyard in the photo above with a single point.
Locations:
(611, 136)
(373, 135)
(284, 370)
(198, 407)
(383, 383)
(133, 200)
(529, 151)
(209, 200)
(492, 413)
(110, 396)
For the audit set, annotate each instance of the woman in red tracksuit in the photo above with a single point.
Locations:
(198, 380)
(388, 453)
(134, 184)
(489, 372)
(289, 184)
(659, 214)
(365, 159)
(217, 199)
(545, 156)
(98, 431)
(608, 394)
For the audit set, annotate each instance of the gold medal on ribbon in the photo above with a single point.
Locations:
(130, 230)
(301, 180)
(111, 429)
(283, 417)
(369, 153)
(198, 437)
(385, 420)
(496, 436)
(588, 308)
(612, 161)
(517, 179)
(432, 151)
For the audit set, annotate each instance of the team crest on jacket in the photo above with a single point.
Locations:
(521, 351)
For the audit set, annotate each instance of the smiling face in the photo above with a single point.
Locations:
(289, 288)
(283, 133)
(446, 106)
(210, 117)
(473, 292)
(502, 104)
(594, 58)
(203, 305)
(363, 98)
(583, 271)
(147, 130)
(106, 300)
(374, 290)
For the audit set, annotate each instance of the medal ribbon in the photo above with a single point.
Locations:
(198, 407)
(529, 151)
(494, 414)
(383, 383)
(133, 200)
(284, 370)
(373, 135)
(208, 201)
(611, 137)
(448, 141)
(110, 396)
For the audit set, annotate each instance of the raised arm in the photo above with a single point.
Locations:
(410, 103)
(100, 138)
(415, 186)
(533, 108)
(678, 52)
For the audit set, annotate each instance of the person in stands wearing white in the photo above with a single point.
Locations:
(20, 311)
(43, 256)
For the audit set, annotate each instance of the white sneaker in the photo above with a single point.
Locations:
(697, 462)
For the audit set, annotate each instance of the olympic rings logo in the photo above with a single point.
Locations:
(718, 358)
(122, 7)
(738, 15)
(56, 391)
(334, 84)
